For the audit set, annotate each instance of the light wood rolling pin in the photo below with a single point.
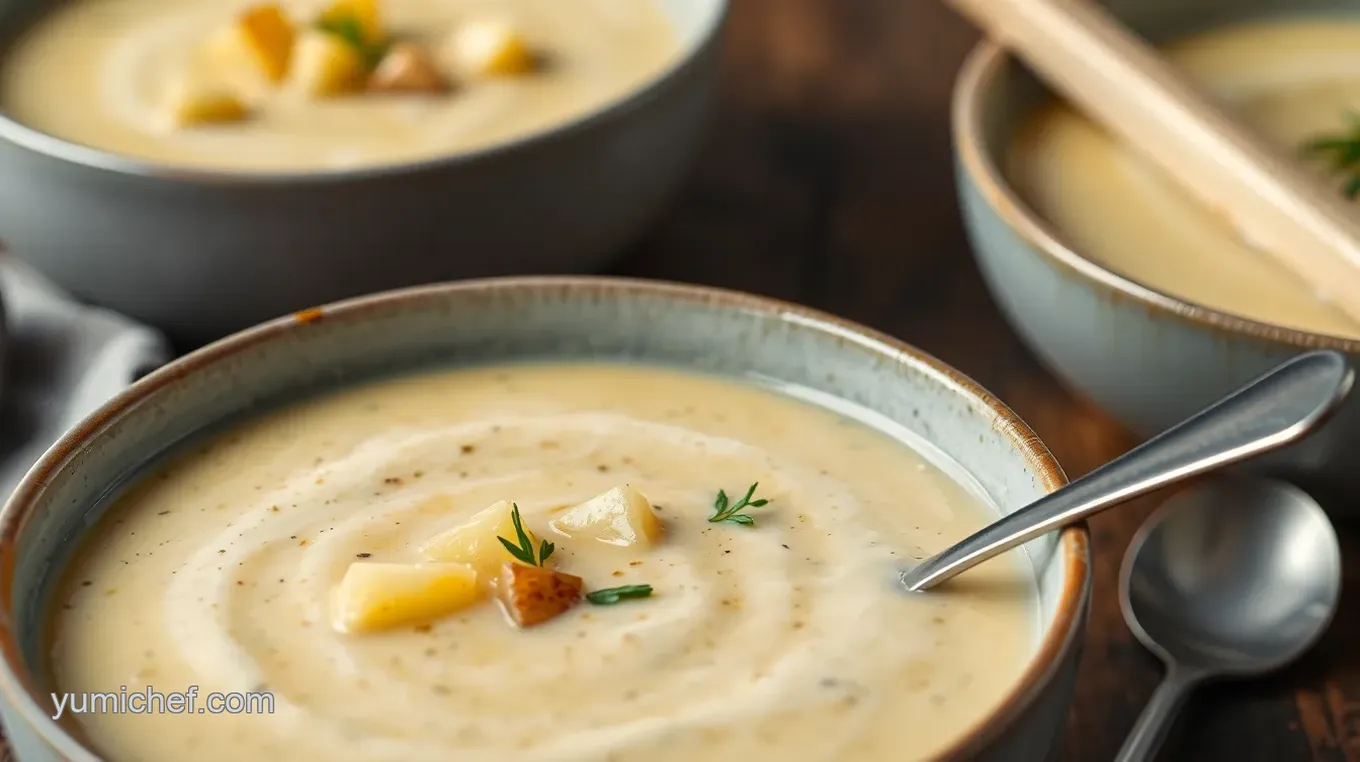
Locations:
(1126, 86)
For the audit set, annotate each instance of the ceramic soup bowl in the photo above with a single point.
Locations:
(507, 320)
(203, 253)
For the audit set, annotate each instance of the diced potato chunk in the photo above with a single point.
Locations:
(407, 68)
(325, 65)
(364, 13)
(226, 58)
(380, 596)
(269, 36)
(191, 106)
(491, 48)
(477, 542)
(531, 595)
(622, 516)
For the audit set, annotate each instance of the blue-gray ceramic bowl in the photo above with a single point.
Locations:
(540, 318)
(201, 254)
(1146, 357)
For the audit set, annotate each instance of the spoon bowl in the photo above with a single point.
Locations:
(1233, 578)
(1238, 576)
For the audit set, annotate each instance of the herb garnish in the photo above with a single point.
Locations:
(348, 29)
(1342, 150)
(614, 595)
(525, 550)
(724, 512)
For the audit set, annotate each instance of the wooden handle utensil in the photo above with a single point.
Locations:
(1126, 86)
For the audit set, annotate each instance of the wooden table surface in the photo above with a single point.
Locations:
(828, 181)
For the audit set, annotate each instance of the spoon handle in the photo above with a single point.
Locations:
(1157, 718)
(1274, 410)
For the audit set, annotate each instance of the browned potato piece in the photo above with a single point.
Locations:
(532, 595)
(407, 68)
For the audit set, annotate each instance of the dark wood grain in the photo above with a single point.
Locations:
(828, 180)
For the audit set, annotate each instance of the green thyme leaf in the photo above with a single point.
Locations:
(722, 511)
(520, 534)
(1341, 151)
(523, 548)
(517, 552)
(610, 596)
(1352, 188)
(348, 29)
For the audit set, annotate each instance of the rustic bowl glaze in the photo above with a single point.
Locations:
(1148, 358)
(538, 318)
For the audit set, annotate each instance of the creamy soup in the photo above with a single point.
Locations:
(114, 75)
(1290, 81)
(781, 638)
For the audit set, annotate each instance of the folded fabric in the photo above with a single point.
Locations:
(61, 361)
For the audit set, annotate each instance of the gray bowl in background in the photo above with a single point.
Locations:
(1148, 358)
(201, 254)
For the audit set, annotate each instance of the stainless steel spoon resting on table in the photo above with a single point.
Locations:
(1233, 578)
(1274, 410)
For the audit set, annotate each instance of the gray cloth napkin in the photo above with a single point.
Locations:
(61, 361)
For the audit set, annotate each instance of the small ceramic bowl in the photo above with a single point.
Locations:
(1148, 358)
(201, 254)
(540, 318)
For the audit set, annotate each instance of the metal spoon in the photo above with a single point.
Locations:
(1231, 579)
(1274, 410)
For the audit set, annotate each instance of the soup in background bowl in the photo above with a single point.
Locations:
(298, 86)
(702, 497)
(1142, 300)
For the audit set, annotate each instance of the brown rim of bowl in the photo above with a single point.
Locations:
(978, 74)
(16, 682)
(87, 157)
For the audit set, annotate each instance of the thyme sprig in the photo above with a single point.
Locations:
(351, 32)
(722, 511)
(1342, 152)
(524, 551)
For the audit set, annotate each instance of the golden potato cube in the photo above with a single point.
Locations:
(407, 68)
(363, 13)
(491, 48)
(477, 542)
(225, 58)
(269, 36)
(622, 516)
(531, 595)
(193, 106)
(380, 596)
(325, 65)
(226, 49)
